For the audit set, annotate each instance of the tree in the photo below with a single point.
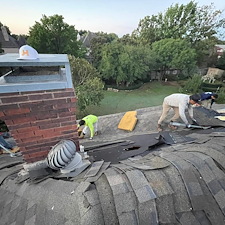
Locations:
(53, 35)
(193, 84)
(110, 65)
(181, 21)
(136, 62)
(97, 44)
(205, 52)
(90, 93)
(221, 62)
(128, 40)
(124, 64)
(174, 54)
(88, 86)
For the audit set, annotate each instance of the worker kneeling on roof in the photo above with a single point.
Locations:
(179, 103)
(89, 122)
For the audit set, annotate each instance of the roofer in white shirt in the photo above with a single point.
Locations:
(179, 103)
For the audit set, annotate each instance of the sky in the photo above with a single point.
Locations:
(110, 16)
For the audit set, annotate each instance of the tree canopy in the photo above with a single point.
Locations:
(124, 64)
(53, 35)
(97, 44)
(221, 62)
(174, 54)
(181, 21)
(88, 86)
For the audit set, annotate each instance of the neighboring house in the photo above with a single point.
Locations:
(86, 42)
(8, 43)
(86, 39)
(161, 74)
(220, 49)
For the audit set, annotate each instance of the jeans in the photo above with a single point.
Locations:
(5, 143)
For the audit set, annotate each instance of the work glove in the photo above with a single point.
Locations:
(188, 125)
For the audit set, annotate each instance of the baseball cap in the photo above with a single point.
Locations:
(27, 52)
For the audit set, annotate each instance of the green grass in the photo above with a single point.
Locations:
(150, 94)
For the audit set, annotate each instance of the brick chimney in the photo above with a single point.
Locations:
(39, 113)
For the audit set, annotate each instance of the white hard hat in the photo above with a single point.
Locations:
(27, 52)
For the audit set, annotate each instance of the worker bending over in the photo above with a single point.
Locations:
(208, 98)
(90, 122)
(179, 103)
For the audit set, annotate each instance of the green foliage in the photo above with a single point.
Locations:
(81, 70)
(181, 21)
(88, 86)
(128, 40)
(124, 64)
(174, 54)
(110, 64)
(90, 93)
(204, 49)
(212, 87)
(53, 35)
(193, 85)
(97, 44)
(221, 96)
(221, 62)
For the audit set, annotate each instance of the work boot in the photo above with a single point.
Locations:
(159, 128)
(15, 149)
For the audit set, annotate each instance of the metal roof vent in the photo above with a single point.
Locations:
(63, 157)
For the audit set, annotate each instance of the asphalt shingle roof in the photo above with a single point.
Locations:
(187, 186)
(11, 43)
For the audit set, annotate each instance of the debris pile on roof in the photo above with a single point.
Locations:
(208, 117)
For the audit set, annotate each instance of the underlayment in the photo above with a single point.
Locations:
(135, 145)
(139, 144)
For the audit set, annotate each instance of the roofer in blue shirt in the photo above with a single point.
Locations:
(208, 98)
